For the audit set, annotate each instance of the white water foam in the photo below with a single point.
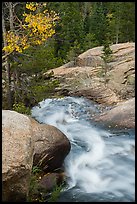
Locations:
(98, 161)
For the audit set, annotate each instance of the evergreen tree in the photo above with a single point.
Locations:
(69, 28)
(122, 24)
(127, 12)
(99, 21)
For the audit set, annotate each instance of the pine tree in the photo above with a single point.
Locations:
(70, 27)
(99, 21)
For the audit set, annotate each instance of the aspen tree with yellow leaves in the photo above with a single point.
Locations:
(34, 28)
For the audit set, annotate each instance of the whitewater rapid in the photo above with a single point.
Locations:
(101, 163)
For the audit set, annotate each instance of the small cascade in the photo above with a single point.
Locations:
(101, 164)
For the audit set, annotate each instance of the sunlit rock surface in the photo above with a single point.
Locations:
(123, 115)
(17, 155)
(87, 77)
(26, 143)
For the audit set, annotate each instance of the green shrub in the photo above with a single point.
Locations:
(36, 170)
(21, 108)
(90, 41)
(55, 193)
(38, 194)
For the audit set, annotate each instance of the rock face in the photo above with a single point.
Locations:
(26, 143)
(123, 115)
(50, 180)
(91, 58)
(51, 147)
(87, 78)
(99, 93)
(17, 155)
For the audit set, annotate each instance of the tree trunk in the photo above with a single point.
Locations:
(11, 15)
(7, 65)
(105, 72)
(117, 33)
(117, 17)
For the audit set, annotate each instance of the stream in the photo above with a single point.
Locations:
(101, 164)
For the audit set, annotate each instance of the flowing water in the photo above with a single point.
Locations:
(101, 164)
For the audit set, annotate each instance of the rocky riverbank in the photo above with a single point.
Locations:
(27, 143)
(86, 78)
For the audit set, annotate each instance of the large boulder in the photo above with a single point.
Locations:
(51, 147)
(123, 115)
(17, 155)
(26, 143)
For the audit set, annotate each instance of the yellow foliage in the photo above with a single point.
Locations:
(109, 15)
(32, 6)
(37, 27)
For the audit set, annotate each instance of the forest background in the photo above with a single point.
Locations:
(37, 37)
